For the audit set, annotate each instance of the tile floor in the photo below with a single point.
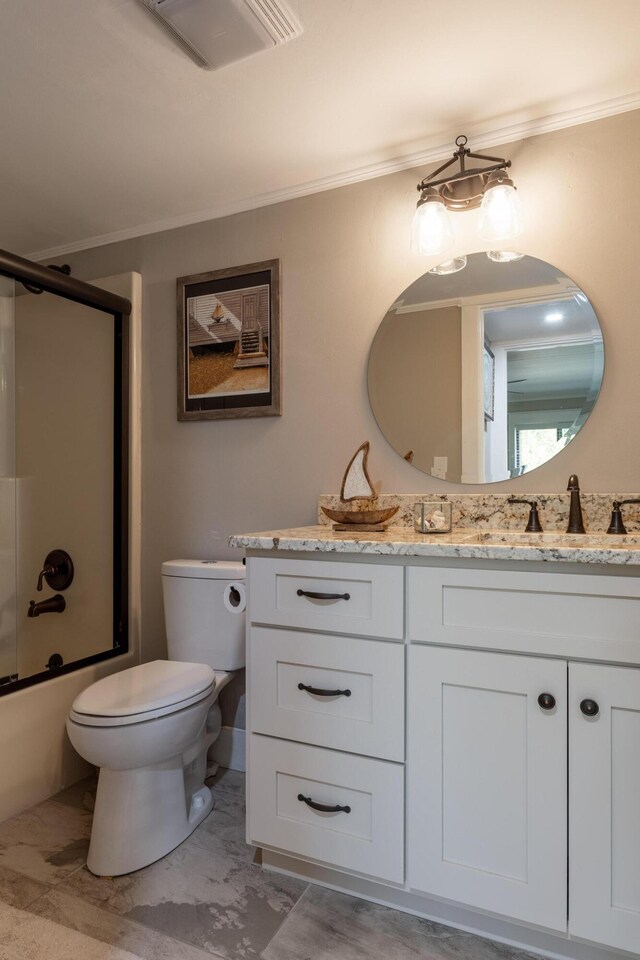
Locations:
(207, 899)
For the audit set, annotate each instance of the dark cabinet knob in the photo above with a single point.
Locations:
(590, 708)
(547, 701)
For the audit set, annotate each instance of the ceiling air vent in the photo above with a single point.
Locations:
(217, 32)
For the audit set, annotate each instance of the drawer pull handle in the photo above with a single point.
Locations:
(318, 692)
(315, 595)
(323, 807)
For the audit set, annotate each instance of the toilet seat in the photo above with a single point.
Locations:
(145, 692)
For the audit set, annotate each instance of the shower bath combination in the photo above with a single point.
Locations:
(63, 473)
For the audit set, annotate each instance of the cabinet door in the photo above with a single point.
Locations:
(487, 782)
(604, 791)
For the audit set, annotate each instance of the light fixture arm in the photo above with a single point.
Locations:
(496, 163)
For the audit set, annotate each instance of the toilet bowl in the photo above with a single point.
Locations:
(149, 727)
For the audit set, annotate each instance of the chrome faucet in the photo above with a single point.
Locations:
(576, 523)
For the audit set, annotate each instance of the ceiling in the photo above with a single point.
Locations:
(109, 130)
(569, 317)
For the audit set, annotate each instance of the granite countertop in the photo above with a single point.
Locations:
(466, 544)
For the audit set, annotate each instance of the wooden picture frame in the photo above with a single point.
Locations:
(229, 333)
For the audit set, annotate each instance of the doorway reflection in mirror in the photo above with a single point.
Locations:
(495, 368)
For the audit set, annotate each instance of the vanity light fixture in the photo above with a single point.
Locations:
(488, 187)
(554, 317)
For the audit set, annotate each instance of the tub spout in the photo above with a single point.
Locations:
(55, 604)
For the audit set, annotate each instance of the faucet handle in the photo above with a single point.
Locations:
(616, 524)
(573, 483)
(57, 571)
(533, 523)
(48, 571)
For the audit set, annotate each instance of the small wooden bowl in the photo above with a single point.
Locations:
(354, 517)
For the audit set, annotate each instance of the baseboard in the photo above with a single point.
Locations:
(554, 946)
(229, 748)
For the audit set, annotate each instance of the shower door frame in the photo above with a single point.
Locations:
(50, 280)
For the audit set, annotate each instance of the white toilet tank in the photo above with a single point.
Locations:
(204, 604)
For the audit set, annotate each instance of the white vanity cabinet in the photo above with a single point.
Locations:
(512, 794)
(604, 791)
(487, 804)
(491, 769)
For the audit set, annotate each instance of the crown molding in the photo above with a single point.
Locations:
(482, 139)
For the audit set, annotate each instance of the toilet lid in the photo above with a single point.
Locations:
(147, 687)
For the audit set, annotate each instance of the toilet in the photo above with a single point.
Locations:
(149, 727)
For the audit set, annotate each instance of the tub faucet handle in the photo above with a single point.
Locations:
(48, 571)
(57, 570)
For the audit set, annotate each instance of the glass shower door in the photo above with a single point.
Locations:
(8, 640)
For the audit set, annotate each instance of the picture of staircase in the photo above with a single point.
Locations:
(229, 343)
(252, 352)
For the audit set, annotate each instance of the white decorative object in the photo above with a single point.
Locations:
(356, 483)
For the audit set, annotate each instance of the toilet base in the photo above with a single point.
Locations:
(141, 815)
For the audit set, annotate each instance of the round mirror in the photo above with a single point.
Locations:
(486, 373)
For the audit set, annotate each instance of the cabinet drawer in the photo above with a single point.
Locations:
(366, 716)
(559, 614)
(366, 838)
(356, 598)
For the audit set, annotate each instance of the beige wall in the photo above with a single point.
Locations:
(415, 357)
(345, 258)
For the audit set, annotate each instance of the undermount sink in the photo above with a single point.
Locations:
(552, 538)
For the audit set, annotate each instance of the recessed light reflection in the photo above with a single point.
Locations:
(554, 317)
(449, 266)
(504, 256)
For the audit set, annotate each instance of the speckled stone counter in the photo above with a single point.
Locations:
(465, 544)
(492, 511)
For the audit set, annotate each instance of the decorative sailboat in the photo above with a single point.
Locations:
(357, 486)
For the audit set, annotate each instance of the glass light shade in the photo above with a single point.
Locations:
(500, 213)
(449, 266)
(504, 256)
(431, 232)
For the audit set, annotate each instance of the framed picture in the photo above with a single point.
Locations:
(229, 362)
(489, 376)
